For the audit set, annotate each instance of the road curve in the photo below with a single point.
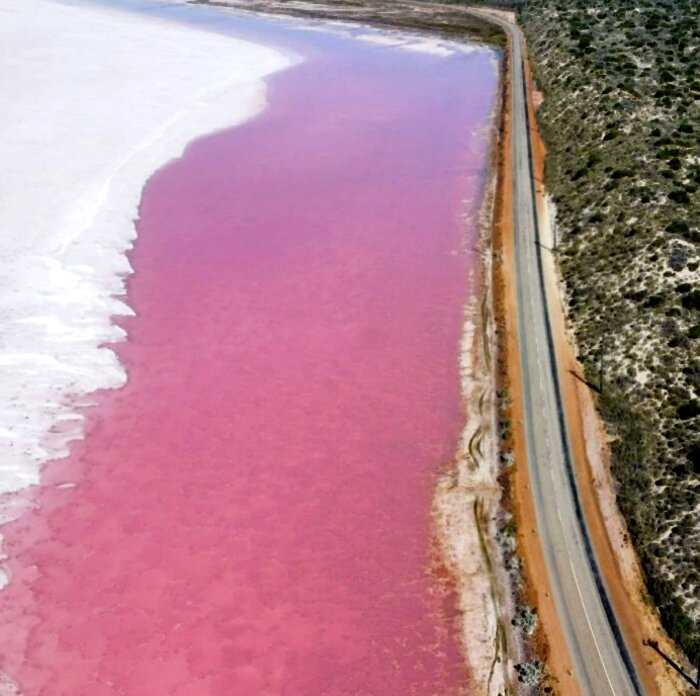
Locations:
(601, 660)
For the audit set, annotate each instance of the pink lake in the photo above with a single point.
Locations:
(252, 511)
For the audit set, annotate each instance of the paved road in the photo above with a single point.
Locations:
(603, 666)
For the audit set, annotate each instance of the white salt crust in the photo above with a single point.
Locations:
(94, 101)
(410, 42)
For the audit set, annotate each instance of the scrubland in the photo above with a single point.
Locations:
(621, 119)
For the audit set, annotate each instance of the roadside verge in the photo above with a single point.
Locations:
(548, 638)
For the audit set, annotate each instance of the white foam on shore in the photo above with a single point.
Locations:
(94, 101)
(422, 44)
(389, 38)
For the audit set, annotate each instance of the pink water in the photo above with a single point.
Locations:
(252, 511)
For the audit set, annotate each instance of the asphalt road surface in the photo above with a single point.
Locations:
(601, 660)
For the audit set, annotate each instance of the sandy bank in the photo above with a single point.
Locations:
(94, 102)
(469, 504)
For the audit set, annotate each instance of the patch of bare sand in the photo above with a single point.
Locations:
(474, 499)
(467, 501)
(506, 15)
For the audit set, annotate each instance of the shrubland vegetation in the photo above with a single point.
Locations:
(621, 119)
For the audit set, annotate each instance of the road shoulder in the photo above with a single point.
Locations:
(549, 639)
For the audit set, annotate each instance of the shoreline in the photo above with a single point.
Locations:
(443, 21)
(70, 229)
(73, 184)
(467, 552)
(467, 507)
(467, 498)
(478, 493)
(103, 457)
(588, 433)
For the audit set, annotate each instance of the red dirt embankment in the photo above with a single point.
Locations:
(549, 639)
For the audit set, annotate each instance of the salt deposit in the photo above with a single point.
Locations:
(412, 42)
(94, 101)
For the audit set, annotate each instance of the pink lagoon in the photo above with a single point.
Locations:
(251, 513)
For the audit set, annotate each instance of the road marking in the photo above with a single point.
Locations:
(590, 626)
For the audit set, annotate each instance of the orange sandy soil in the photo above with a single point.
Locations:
(549, 639)
(617, 559)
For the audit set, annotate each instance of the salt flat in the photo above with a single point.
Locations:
(94, 101)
